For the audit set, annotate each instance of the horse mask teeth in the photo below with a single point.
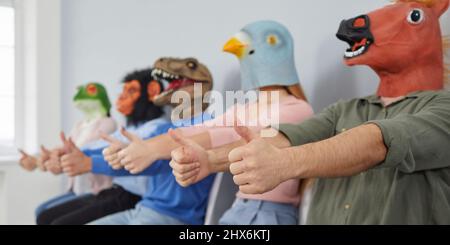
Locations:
(402, 43)
(356, 32)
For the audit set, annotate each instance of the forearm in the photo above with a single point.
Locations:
(163, 145)
(218, 157)
(347, 154)
(101, 167)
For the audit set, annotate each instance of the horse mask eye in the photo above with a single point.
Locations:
(416, 16)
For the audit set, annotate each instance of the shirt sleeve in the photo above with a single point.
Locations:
(100, 166)
(418, 142)
(320, 127)
(218, 132)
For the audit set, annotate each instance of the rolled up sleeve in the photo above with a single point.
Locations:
(418, 142)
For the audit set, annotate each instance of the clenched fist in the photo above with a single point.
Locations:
(43, 157)
(27, 162)
(53, 164)
(190, 162)
(111, 152)
(258, 167)
(74, 162)
(137, 156)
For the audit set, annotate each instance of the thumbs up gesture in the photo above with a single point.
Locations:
(135, 157)
(53, 164)
(111, 152)
(190, 162)
(74, 162)
(27, 162)
(258, 167)
(43, 157)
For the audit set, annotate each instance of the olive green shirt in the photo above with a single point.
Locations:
(412, 185)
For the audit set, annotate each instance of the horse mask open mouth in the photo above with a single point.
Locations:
(401, 42)
(178, 74)
(356, 32)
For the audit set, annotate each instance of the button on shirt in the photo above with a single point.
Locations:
(412, 185)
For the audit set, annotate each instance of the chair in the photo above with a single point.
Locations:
(221, 198)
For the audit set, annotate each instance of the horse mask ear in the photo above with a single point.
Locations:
(440, 6)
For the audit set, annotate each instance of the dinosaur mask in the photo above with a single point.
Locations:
(402, 43)
(177, 75)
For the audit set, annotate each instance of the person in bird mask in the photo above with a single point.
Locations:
(265, 50)
(378, 159)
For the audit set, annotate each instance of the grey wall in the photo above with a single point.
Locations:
(102, 39)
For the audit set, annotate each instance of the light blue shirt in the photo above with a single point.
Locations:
(137, 185)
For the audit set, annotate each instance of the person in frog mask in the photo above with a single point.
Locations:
(142, 118)
(165, 202)
(92, 100)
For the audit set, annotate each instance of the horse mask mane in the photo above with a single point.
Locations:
(402, 43)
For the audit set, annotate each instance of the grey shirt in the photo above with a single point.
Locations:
(412, 185)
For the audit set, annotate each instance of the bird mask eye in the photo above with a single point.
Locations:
(272, 40)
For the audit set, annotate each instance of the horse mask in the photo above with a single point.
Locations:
(402, 43)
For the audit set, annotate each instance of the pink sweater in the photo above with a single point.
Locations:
(291, 110)
(85, 132)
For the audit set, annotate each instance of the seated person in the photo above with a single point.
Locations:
(143, 117)
(93, 101)
(165, 202)
(379, 159)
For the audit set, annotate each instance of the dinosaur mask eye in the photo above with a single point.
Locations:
(192, 65)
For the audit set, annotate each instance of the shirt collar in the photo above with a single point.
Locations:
(375, 99)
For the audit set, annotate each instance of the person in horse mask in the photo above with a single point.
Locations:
(380, 159)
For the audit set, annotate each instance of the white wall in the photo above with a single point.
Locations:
(37, 106)
(21, 192)
(102, 39)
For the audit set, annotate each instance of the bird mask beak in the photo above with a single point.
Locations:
(235, 46)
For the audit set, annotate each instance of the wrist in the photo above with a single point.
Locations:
(155, 150)
(88, 164)
(212, 162)
(295, 162)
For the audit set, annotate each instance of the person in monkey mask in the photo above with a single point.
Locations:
(142, 118)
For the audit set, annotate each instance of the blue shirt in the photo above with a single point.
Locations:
(166, 196)
(137, 184)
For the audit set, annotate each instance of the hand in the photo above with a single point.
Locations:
(54, 164)
(111, 153)
(137, 156)
(258, 167)
(74, 162)
(190, 162)
(43, 157)
(27, 162)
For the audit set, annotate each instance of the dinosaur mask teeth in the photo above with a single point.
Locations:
(164, 74)
(171, 82)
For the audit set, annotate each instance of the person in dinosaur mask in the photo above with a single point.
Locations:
(265, 50)
(378, 159)
(165, 202)
(93, 101)
(142, 118)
